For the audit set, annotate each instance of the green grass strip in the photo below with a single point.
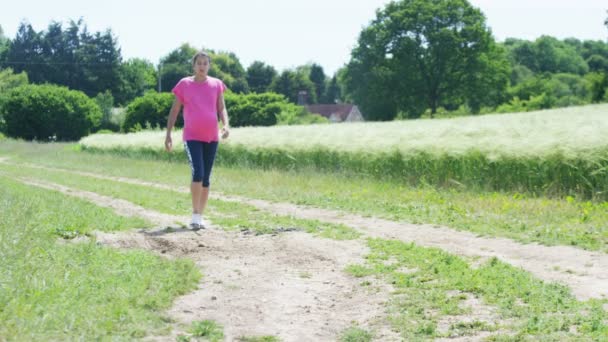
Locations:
(228, 215)
(426, 279)
(555, 174)
(82, 291)
(568, 221)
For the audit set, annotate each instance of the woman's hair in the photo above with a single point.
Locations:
(200, 54)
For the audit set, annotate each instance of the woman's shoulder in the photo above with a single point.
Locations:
(215, 80)
(187, 79)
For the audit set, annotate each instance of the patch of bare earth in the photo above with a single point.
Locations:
(291, 286)
(584, 272)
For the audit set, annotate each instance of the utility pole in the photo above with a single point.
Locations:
(160, 69)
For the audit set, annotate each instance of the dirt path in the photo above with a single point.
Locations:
(585, 272)
(289, 285)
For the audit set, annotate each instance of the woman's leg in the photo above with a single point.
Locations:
(194, 150)
(209, 151)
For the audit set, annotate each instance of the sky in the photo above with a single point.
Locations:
(283, 33)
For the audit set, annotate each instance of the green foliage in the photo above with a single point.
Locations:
(105, 101)
(318, 78)
(355, 334)
(10, 80)
(260, 77)
(598, 84)
(547, 54)
(227, 67)
(549, 91)
(297, 115)
(290, 83)
(137, 77)
(176, 65)
(209, 330)
(48, 112)
(224, 65)
(418, 54)
(256, 109)
(332, 91)
(73, 57)
(150, 110)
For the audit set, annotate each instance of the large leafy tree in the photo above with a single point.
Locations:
(137, 76)
(224, 65)
(260, 76)
(176, 65)
(227, 67)
(420, 54)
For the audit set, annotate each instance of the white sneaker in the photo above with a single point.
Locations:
(196, 222)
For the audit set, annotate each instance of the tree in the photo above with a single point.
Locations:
(137, 77)
(260, 76)
(291, 83)
(10, 80)
(418, 54)
(73, 57)
(227, 67)
(176, 65)
(318, 78)
(224, 65)
(332, 93)
(4, 41)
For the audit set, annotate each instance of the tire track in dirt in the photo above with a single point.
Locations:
(584, 272)
(290, 285)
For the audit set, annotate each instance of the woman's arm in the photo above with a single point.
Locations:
(175, 108)
(221, 108)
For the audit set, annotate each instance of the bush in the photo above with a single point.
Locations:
(105, 101)
(150, 110)
(49, 112)
(297, 115)
(254, 109)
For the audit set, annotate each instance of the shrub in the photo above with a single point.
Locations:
(49, 112)
(254, 109)
(105, 101)
(150, 110)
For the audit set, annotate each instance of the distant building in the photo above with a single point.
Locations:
(337, 112)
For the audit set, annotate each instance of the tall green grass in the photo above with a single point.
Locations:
(51, 291)
(558, 152)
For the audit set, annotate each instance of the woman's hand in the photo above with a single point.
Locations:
(225, 132)
(168, 143)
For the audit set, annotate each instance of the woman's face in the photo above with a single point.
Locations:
(201, 66)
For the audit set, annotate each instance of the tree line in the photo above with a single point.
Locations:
(415, 57)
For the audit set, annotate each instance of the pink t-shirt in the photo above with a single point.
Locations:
(200, 107)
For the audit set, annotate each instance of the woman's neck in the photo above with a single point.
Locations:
(198, 78)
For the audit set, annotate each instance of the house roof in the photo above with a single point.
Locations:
(327, 110)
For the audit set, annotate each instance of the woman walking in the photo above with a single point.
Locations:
(202, 98)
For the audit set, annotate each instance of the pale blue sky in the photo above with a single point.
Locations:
(284, 33)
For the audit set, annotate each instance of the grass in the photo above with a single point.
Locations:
(355, 334)
(209, 330)
(81, 291)
(228, 215)
(568, 221)
(556, 152)
(432, 286)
